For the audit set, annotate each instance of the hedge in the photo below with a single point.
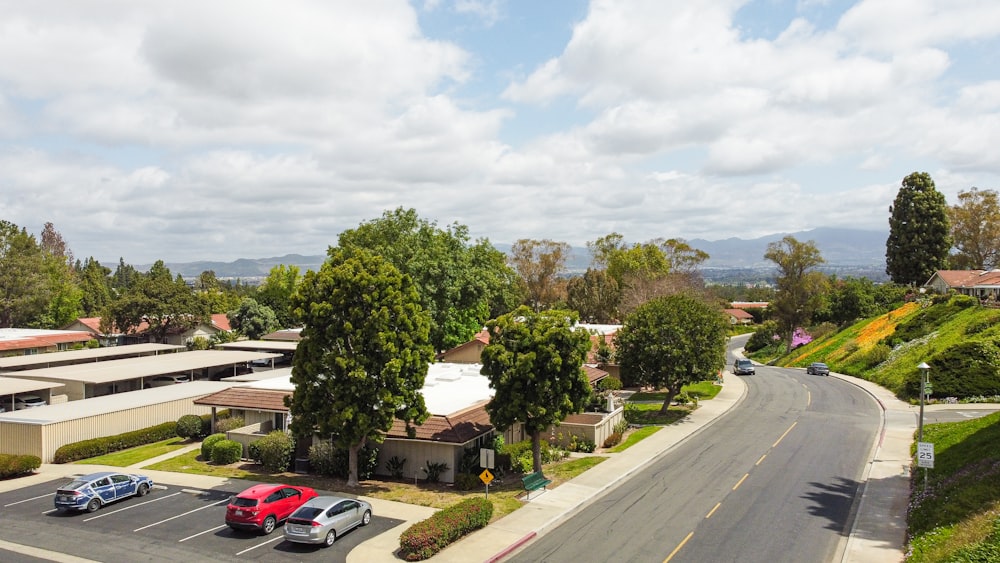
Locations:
(101, 446)
(225, 452)
(12, 465)
(208, 443)
(189, 426)
(427, 537)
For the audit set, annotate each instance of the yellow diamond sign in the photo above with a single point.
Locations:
(486, 476)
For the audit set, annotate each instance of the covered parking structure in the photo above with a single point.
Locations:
(43, 430)
(11, 386)
(71, 357)
(84, 381)
(285, 348)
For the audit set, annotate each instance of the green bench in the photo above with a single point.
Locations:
(534, 481)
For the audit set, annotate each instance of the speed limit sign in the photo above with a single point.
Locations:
(925, 454)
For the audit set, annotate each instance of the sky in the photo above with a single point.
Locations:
(190, 130)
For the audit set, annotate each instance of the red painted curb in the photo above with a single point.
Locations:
(507, 550)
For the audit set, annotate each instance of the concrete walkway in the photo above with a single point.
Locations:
(878, 533)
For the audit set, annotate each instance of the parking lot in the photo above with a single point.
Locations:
(172, 523)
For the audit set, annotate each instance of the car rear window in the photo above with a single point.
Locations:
(240, 501)
(76, 485)
(307, 512)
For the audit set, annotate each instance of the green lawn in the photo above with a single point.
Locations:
(649, 413)
(124, 458)
(704, 390)
(635, 437)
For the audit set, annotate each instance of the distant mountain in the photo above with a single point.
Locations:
(851, 251)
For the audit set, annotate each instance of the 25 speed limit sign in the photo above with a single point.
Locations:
(925, 454)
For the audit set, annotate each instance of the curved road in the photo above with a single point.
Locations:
(773, 480)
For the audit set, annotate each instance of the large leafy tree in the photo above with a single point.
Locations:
(534, 362)
(167, 304)
(540, 263)
(277, 290)
(461, 284)
(95, 284)
(975, 230)
(65, 296)
(594, 295)
(919, 239)
(24, 282)
(364, 353)
(800, 287)
(252, 319)
(671, 341)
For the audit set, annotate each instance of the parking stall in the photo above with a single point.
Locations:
(172, 523)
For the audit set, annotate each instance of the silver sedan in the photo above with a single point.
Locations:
(324, 519)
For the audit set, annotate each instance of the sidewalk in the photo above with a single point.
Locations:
(878, 533)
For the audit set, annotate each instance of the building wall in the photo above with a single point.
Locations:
(44, 439)
(596, 433)
(465, 355)
(417, 453)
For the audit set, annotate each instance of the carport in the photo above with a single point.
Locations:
(84, 381)
(69, 357)
(10, 386)
(284, 348)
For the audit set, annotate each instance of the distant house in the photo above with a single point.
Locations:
(287, 334)
(219, 322)
(28, 341)
(745, 305)
(469, 352)
(738, 316)
(981, 284)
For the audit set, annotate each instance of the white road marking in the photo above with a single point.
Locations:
(102, 515)
(28, 500)
(279, 538)
(180, 515)
(202, 533)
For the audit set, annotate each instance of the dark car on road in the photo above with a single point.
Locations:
(93, 491)
(818, 368)
(743, 367)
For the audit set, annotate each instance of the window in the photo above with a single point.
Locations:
(102, 482)
(120, 478)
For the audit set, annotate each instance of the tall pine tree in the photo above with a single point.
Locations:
(919, 239)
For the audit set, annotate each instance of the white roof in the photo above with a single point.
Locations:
(599, 329)
(74, 410)
(12, 385)
(12, 334)
(448, 388)
(262, 345)
(145, 366)
(79, 356)
(260, 375)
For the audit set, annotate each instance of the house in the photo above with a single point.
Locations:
(469, 352)
(29, 341)
(738, 316)
(749, 305)
(218, 322)
(981, 284)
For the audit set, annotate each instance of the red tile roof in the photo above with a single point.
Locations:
(593, 374)
(45, 341)
(739, 314)
(247, 398)
(969, 278)
(221, 321)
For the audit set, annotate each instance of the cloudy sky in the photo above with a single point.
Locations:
(193, 130)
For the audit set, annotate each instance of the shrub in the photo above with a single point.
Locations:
(225, 452)
(229, 424)
(878, 354)
(467, 481)
(966, 369)
(189, 426)
(621, 426)
(13, 465)
(610, 383)
(395, 466)
(208, 442)
(253, 451)
(100, 446)
(276, 451)
(762, 337)
(613, 440)
(427, 537)
(434, 470)
(324, 459)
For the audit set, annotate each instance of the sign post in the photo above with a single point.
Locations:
(925, 455)
(486, 460)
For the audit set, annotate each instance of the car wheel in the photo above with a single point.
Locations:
(93, 505)
(331, 537)
(269, 523)
(143, 490)
(366, 518)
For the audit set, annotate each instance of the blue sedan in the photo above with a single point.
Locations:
(93, 491)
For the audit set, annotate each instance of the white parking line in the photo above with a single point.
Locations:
(102, 515)
(202, 533)
(279, 538)
(28, 500)
(51, 511)
(180, 515)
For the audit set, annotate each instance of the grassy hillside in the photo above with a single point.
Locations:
(959, 339)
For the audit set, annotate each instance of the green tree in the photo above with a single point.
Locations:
(534, 362)
(540, 263)
(166, 304)
(252, 319)
(975, 230)
(919, 242)
(851, 299)
(799, 287)
(65, 295)
(277, 290)
(672, 341)
(364, 353)
(24, 283)
(95, 285)
(460, 283)
(594, 295)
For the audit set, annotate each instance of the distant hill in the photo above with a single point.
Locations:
(846, 251)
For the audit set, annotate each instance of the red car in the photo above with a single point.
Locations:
(261, 507)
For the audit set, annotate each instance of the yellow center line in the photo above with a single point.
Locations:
(774, 445)
(761, 459)
(740, 482)
(711, 512)
(678, 548)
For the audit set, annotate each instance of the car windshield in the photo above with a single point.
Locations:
(240, 501)
(819, 365)
(743, 362)
(307, 512)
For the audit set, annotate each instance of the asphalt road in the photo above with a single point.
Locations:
(773, 480)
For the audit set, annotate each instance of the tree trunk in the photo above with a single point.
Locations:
(666, 402)
(352, 463)
(536, 451)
